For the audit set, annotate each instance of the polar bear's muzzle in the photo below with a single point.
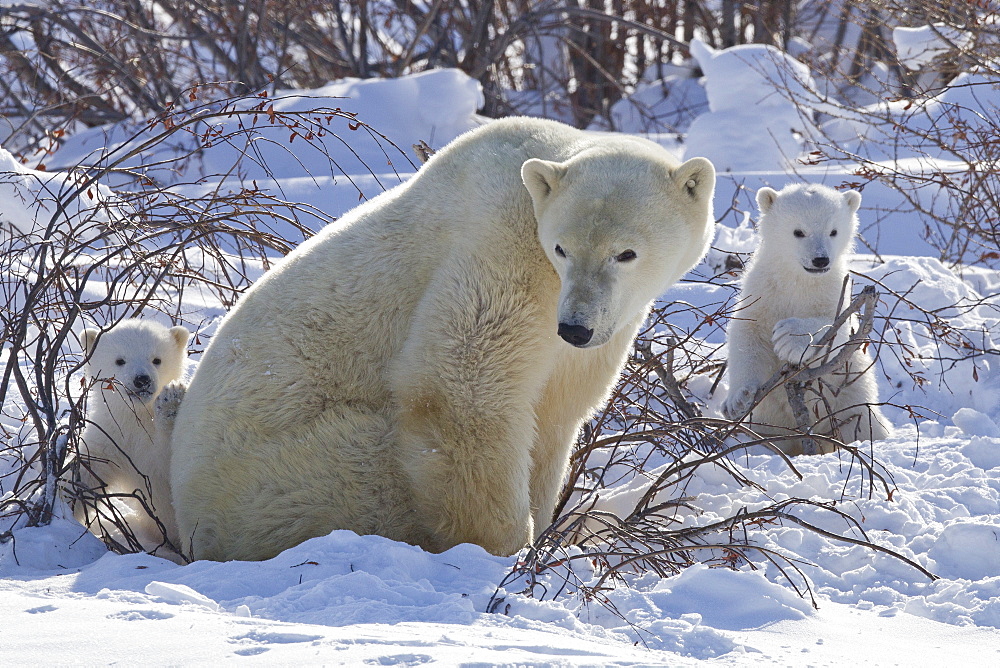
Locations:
(819, 265)
(577, 335)
(141, 387)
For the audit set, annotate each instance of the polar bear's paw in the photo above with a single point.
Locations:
(168, 401)
(795, 342)
(738, 403)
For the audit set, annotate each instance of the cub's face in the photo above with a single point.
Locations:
(619, 230)
(818, 242)
(810, 226)
(138, 356)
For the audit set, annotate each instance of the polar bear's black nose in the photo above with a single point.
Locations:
(142, 381)
(821, 262)
(578, 335)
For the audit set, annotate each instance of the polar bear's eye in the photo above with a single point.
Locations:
(626, 256)
(120, 361)
(834, 233)
(559, 251)
(799, 234)
(156, 361)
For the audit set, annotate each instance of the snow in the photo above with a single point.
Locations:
(748, 109)
(974, 423)
(344, 599)
(918, 47)
(33, 195)
(666, 104)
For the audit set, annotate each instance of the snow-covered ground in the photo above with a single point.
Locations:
(345, 599)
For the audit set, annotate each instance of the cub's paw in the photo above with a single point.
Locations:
(738, 403)
(794, 341)
(169, 400)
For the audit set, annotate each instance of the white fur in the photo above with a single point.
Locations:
(401, 373)
(786, 305)
(138, 366)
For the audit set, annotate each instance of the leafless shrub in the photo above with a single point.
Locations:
(654, 440)
(589, 551)
(67, 63)
(948, 182)
(922, 124)
(83, 255)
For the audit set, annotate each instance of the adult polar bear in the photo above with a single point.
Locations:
(401, 374)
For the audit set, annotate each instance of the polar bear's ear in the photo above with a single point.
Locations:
(180, 336)
(765, 198)
(853, 199)
(89, 338)
(541, 178)
(696, 177)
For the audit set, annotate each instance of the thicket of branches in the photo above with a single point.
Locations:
(90, 257)
(654, 438)
(64, 63)
(912, 124)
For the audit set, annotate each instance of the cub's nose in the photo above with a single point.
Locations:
(821, 262)
(142, 381)
(578, 335)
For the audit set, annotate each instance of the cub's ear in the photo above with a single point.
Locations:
(89, 338)
(180, 336)
(853, 199)
(541, 178)
(765, 198)
(696, 178)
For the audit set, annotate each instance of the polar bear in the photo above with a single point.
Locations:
(137, 368)
(788, 300)
(420, 369)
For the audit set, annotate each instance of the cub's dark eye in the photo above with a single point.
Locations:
(559, 251)
(626, 256)
(834, 233)
(156, 361)
(120, 361)
(799, 234)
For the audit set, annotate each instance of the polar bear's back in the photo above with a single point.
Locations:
(351, 310)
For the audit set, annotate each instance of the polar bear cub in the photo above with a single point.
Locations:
(136, 368)
(788, 300)
(421, 368)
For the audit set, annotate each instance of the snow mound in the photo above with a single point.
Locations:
(752, 122)
(918, 47)
(968, 551)
(435, 106)
(382, 120)
(974, 423)
(730, 600)
(30, 197)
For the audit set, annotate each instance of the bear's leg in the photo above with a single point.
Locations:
(751, 363)
(168, 401)
(579, 385)
(855, 404)
(465, 385)
(550, 457)
(462, 495)
(795, 339)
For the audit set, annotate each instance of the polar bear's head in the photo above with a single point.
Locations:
(620, 224)
(139, 356)
(810, 226)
